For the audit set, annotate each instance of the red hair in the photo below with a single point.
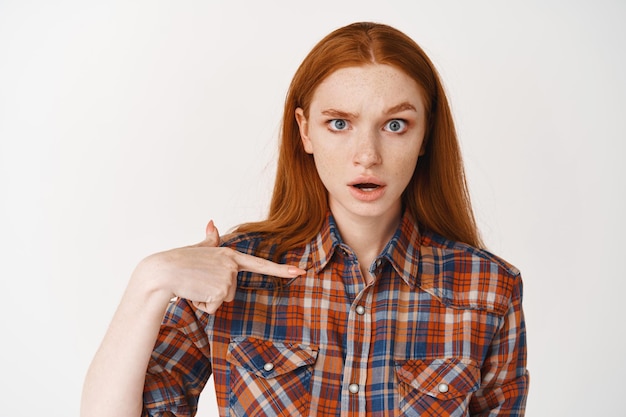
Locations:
(437, 196)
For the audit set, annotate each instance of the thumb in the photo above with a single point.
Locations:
(212, 235)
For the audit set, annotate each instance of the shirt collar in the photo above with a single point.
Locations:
(402, 251)
(325, 243)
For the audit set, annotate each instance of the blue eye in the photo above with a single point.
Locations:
(396, 126)
(338, 124)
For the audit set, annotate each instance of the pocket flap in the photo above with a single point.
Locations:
(269, 359)
(440, 378)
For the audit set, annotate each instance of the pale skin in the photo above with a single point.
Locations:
(365, 129)
(365, 124)
(203, 273)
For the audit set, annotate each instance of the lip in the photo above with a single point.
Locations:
(367, 196)
(366, 179)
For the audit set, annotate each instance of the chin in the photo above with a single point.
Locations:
(377, 211)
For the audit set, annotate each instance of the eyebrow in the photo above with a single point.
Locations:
(401, 107)
(339, 114)
(347, 115)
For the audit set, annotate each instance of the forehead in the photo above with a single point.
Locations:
(374, 84)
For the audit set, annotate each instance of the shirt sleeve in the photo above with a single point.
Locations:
(180, 364)
(505, 379)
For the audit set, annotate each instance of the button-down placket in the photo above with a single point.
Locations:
(358, 343)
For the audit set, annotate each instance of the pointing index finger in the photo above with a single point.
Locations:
(252, 263)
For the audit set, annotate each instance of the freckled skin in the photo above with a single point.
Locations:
(369, 99)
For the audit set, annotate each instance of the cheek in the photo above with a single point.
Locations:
(328, 167)
(405, 167)
(325, 163)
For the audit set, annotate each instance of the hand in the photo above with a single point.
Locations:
(206, 274)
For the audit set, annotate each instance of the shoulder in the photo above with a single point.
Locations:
(249, 243)
(466, 277)
(256, 244)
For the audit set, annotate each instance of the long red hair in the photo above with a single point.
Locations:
(437, 196)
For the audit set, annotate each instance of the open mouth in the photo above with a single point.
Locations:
(366, 186)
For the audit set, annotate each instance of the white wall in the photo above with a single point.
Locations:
(126, 125)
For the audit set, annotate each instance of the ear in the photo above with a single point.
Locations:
(303, 125)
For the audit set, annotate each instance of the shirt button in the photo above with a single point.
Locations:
(360, 310)
(353, 388)
(443, 388)
(268, 366)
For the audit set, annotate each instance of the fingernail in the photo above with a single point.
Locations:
(210, 227)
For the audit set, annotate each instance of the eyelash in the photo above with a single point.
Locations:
(404, 127)
(331, 122)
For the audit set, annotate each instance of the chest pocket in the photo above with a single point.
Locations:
(269, 377)
(436, 387)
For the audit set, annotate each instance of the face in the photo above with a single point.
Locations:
(365, 129)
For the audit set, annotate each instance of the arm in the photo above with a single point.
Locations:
(504, 385)
(204, 274)
(115, 379)
(180, 363)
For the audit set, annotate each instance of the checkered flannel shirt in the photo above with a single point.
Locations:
(439, 332)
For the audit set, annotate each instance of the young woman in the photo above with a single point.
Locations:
(365, 292)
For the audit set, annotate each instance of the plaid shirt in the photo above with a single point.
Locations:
(439, 332)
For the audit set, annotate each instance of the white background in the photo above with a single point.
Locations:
(126, 125)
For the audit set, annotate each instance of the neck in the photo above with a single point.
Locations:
(367, 236)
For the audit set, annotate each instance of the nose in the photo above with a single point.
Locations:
(366, 152)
